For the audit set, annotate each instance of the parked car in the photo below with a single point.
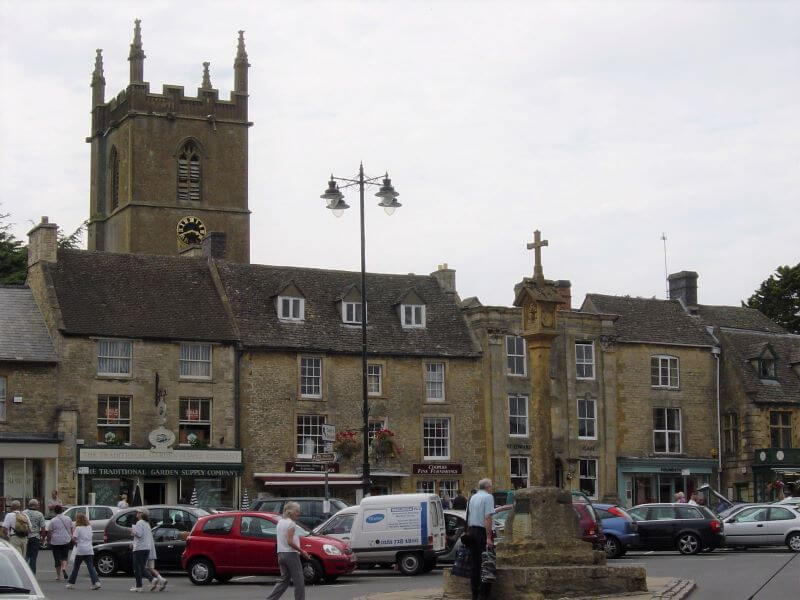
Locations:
(245, 543)
(591, 530)
(118, 556)
(313, 510)
(180, 517)
(682, 527)
(98, 514)
(791, 501)
(764, 525)
(17, 581)
(619, 528)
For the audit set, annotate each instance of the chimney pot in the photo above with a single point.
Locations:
(446, 278)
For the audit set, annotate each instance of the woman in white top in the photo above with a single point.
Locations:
(142, 540)
(123, 501)
(289, 553)
(82, 536)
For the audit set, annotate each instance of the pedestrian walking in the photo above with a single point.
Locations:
(82, 536)
(59, 530)
(16, 528)
(123, 501)
(53, 502)
(289, 553)
(157, 580)
(142, 540)
(479, 527)
(36, 519)
(459, 502)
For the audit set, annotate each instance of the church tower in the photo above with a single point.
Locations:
(166, 169)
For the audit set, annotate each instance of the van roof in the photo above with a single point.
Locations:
(393, 498)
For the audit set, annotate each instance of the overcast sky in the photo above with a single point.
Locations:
(603, 124)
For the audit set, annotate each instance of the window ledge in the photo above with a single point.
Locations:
(584, 378)
(196, 379)
(519, 436)
(520, 375)
(587, 439)
(113, 376)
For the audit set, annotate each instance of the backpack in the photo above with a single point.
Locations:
(21, 526)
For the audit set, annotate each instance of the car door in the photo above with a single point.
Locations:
(169, 547)
(746, 528)
(256, 548)
(661, 527)
(98, 519)
(779, 522)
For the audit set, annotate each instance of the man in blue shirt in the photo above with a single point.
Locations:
(481, 509)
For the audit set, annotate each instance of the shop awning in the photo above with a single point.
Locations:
(308, 479)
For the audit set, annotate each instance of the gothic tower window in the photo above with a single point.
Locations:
(189, 172)
(113, 165)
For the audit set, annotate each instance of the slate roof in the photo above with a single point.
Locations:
(740, 346)
(252, 290)
(141, 296)
(23, 334)
(650, 320)
(738, 318)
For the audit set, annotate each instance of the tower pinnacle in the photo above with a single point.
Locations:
(136, 56)
(206, 85)
(98, 80)
(240, 66)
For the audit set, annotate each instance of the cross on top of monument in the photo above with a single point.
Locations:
(536, 245)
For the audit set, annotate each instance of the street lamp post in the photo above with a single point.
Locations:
(337, 205)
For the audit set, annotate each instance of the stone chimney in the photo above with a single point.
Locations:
(564, 289)
(446, 278)
(214, 244)
(683, 287)
(43, 242)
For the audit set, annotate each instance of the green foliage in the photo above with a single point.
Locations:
(779, 297)
(73, 240)
(13, 256)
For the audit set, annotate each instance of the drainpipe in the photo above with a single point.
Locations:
(715, 351)
(237, 359)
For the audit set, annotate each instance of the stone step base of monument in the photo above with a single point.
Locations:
(540, 583)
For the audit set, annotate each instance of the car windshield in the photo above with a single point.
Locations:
(12, 573)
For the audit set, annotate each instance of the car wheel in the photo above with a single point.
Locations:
(612, 547)
(106, 564)
(224, 578)
(410, 563)
(688, 543)
(201, 571)
(793, 541)
(313, 571)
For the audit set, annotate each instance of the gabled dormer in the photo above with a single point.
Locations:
(350, 306)
(290, 303)
(411, 309)
(763, 361)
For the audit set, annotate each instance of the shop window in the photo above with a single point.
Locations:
(374, 380)
(667, 430)
(194, 425)
(519, 471)
(448, 488)
(436, 438)
(195, 362)
(113, 420)
(780, 429)
(515, 355)
(587, 418)
(114, 357)
(664, 372)
(310, 377)
(587, 480)
(731, 430)
(309, 435)
(2, 398)
(426, 487)
(434, 382)
(584, 360)
(518, 416)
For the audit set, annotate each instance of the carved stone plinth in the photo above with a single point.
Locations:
(536, 583)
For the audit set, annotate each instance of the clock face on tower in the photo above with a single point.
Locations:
(191, 230)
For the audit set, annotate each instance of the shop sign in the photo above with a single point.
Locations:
(436, 468)
(670, 469)
(518, 446)
(311, 467)
(154, 471)
(167, 456)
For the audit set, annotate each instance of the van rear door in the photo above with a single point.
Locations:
(437, 529)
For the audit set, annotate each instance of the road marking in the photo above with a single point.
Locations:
(243, 577)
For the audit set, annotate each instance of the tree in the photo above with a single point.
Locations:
(779, 297)
(13, 256)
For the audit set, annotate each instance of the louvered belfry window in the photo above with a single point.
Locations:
(113, 163)
(189, 172)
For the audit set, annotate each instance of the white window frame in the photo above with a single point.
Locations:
(351, 313)
(412, 311)
(667, 431)
(585, 474)
(119, 422)
(188, 361)
(661, 358)
(3, 392)
(525, 473)
(588, 419)
(374, 374)
(513, 358)
(582, 361)
(308, 426)
(301, 308)
(304, 375)
(372, 429)
(433, 379)
(114, 355)
(435, 424)
(184, 420)
(422, 484)
(515, 416)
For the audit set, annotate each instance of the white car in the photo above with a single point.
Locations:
(98, 514)
(764, 525)
(17, 581)
(791, 501)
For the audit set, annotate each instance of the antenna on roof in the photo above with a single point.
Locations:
(666, 273)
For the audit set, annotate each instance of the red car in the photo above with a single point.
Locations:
(244, 543)
(591, 529)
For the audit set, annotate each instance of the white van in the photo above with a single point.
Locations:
(407, 529)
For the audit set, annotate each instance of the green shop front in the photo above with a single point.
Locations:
(774, 469)
(643, 480)
(209, 477)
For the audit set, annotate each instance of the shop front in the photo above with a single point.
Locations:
(206, 477)
(776, 471)
(643, 480)
(28, 468)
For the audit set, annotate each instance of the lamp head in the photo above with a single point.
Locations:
(335, 198)
(388, 196)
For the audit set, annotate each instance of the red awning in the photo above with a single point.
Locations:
(306, 479)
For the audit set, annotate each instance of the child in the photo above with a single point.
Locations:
(82, 535)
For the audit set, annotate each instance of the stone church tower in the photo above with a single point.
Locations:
(166, 169)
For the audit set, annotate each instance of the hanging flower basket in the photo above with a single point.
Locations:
(346, 444)
(384, 445)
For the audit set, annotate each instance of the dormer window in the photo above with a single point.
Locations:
(291, 308)
(351, 313)
(766, 368)
(412, 315)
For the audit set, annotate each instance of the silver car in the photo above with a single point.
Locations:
(98, 514)
(764, 525)
(17, 582)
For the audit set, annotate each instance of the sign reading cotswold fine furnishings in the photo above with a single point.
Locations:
(436, 468)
